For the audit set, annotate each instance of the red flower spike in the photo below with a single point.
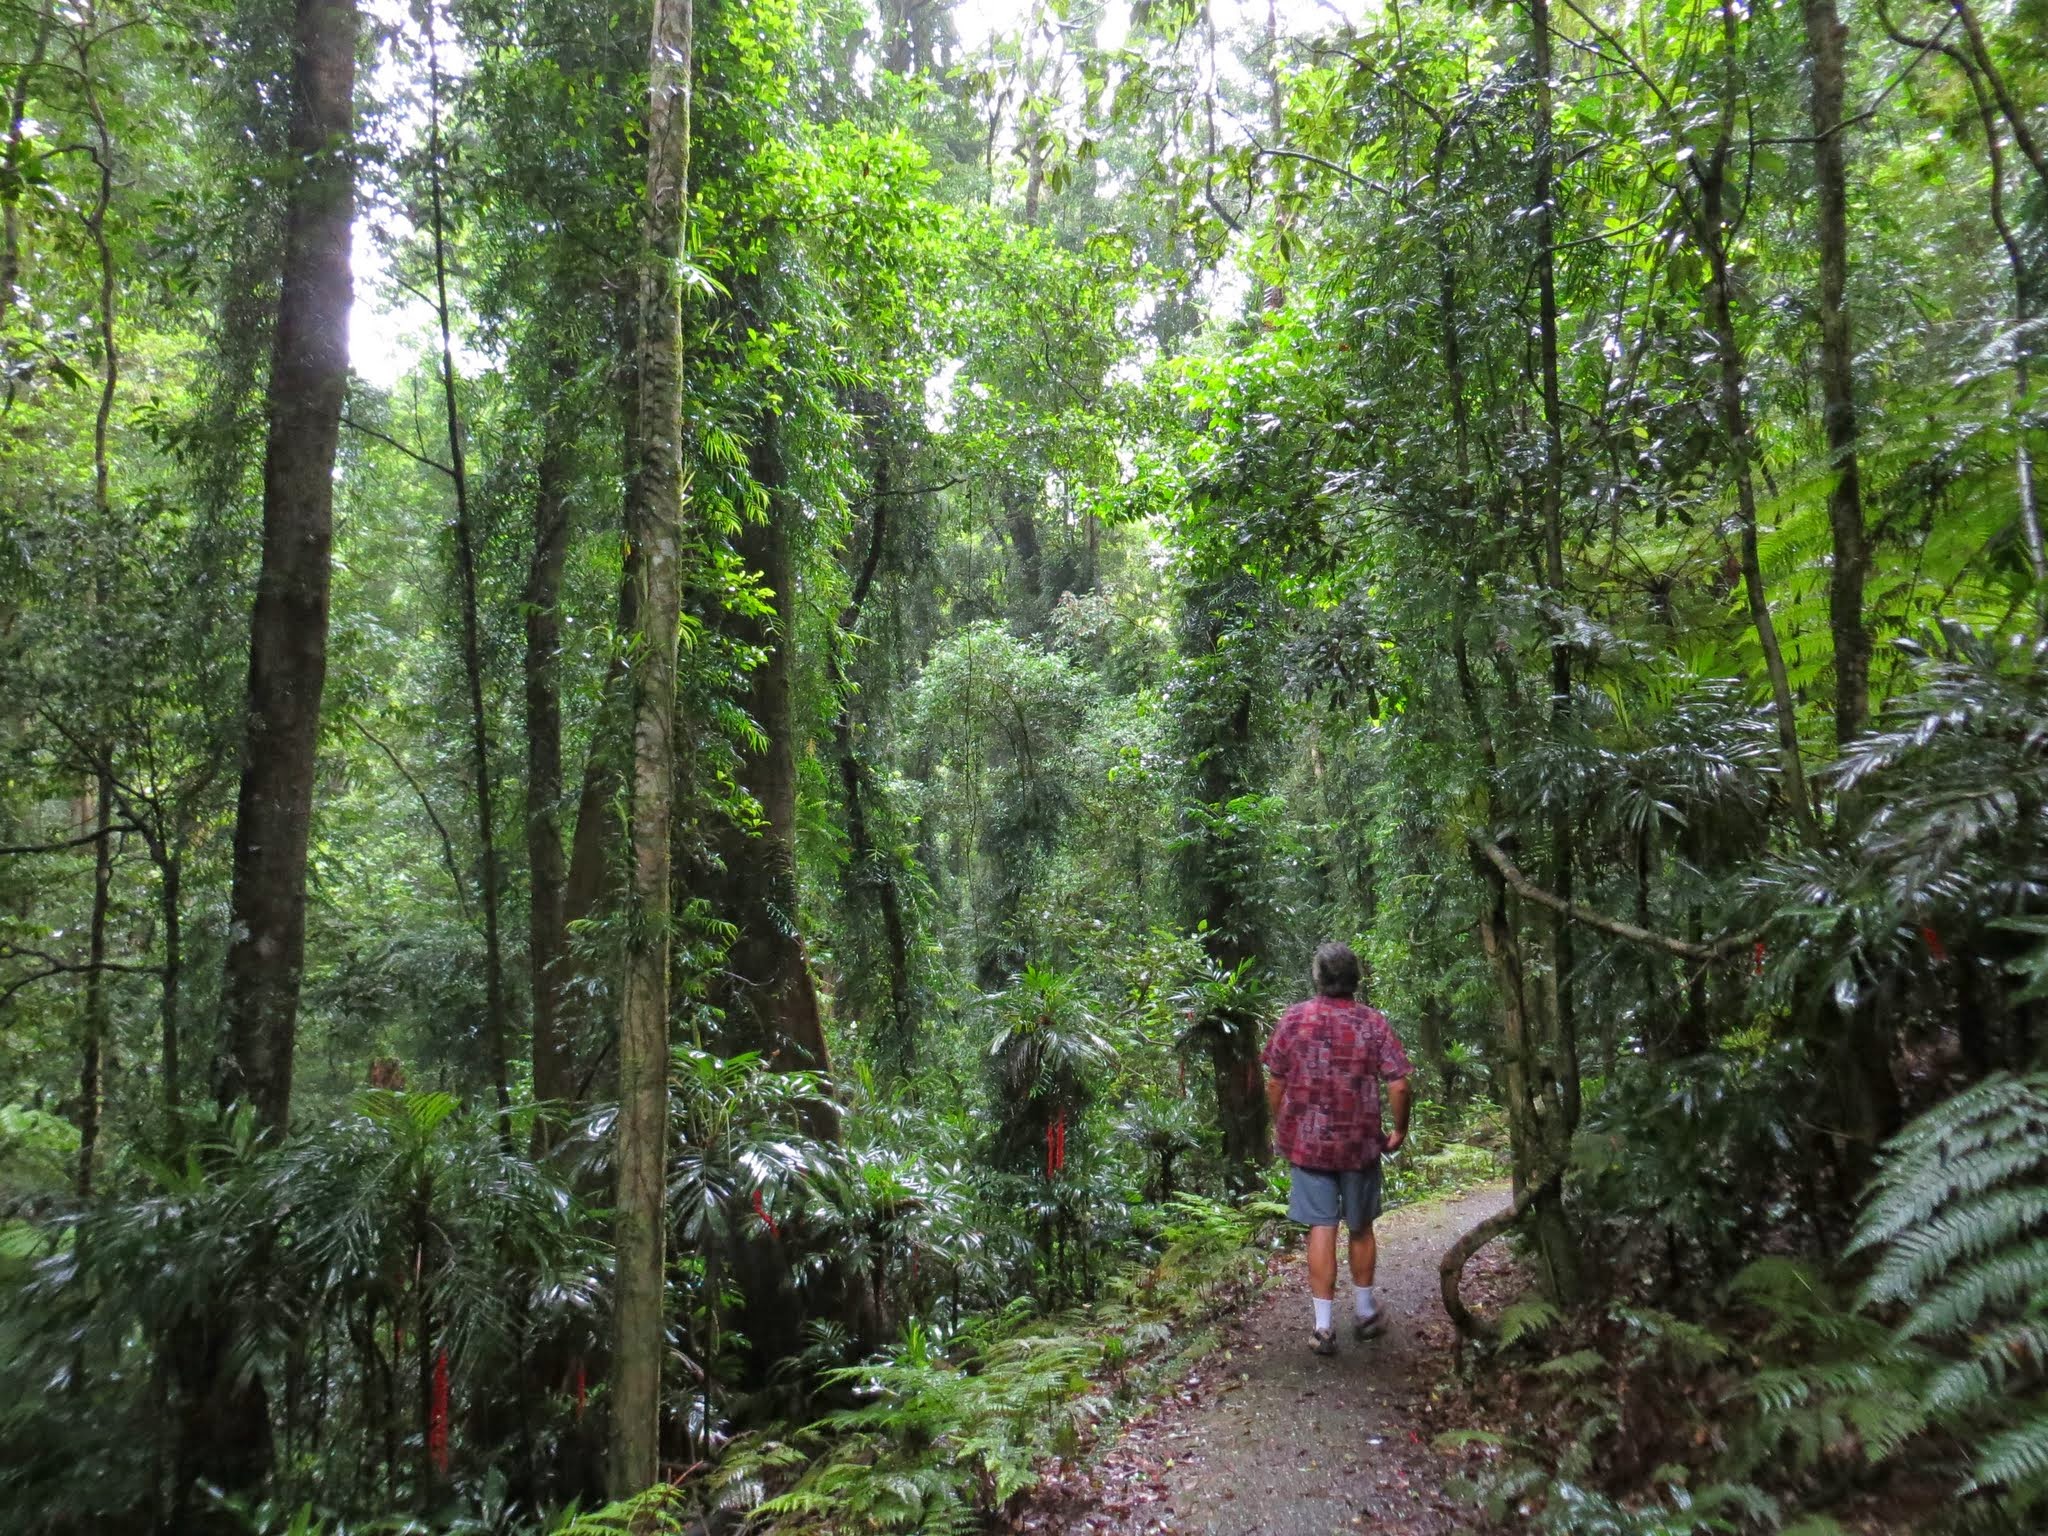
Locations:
(768, 1221)
(437, 1421)
(1935, 948)
(1756, 959)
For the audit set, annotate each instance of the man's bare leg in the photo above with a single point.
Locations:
(1322, 1285)
(1364, 1255)
(1322, 1262)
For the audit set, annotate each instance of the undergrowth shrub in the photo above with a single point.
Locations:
(937, 1440)
(1929, 1371)
(1685, 1170)
(1957, 1222)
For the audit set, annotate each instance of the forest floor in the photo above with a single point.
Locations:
(1261, 1438)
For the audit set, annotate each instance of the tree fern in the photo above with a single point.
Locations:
(1957, 1221)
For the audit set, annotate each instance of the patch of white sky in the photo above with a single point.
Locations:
(391, 327)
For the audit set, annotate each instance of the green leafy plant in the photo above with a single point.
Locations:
(1957, 1224)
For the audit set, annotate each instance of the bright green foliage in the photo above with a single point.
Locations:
(1959, 1230)
(1133, 535)
(943, 1440)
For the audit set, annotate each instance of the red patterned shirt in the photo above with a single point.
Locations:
(1330, 1055)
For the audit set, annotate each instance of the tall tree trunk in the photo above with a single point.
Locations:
(654, 511)
(1536, 1133)
(288, 631)
(1221, 748)
(1826, 43)
(554, 1064)
(93, 1055)
(591, 879)
(1712, 220)
(1275, 297)
(871, 870)
(170, 899)
(765, 987)
(1027, 558)
(472, 643)
(1562, 1011)
(17, 130)
(93, 1034)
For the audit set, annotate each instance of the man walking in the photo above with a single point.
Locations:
(1324, 1065)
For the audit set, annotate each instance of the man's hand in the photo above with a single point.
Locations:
(1401, 1096)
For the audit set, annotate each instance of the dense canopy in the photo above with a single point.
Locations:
(681, 683)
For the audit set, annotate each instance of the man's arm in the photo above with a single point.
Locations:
(1275, 1087)
(1399, 1096)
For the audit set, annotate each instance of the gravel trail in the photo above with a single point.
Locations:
(1262, 1438)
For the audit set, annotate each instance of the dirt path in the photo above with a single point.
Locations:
(1261, 1438)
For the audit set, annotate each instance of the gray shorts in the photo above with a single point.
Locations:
(1317, 1199)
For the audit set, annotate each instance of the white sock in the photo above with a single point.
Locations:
(1361, 1301)
(1323, 1308)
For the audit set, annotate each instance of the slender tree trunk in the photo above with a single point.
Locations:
(1991, 106)
(1688, 1035)
(472, 644)
(1653, 968)
(288, 631)
(1826, 43)
(1537, 1139)
(97, 1012)
(93, 1037)
(1275, 297)
(554, 1073)
(870, 869)
(765, 987)
(655, 508)
(1027, 558)
(1563, 1020)
(1429, 1029)
(170, 877)
(2009, 106)
(17, 128)
(1221, 748)
(591, 877)
(1734, 419)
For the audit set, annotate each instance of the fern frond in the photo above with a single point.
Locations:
(1995, 1285)
(1527, 1317)
(2015, 1456)
(1981, 1226)
(1579, 1363)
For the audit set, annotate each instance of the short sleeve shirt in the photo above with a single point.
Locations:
(1330, 1055)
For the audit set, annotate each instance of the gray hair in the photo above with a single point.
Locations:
(1334, 971)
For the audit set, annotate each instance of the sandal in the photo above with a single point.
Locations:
(1369, 1327)
(1323, 1341)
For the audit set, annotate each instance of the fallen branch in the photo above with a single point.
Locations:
(1451, 1271)
(1708, 953)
